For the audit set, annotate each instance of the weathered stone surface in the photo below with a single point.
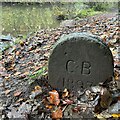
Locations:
(67, 23)
(79, 59)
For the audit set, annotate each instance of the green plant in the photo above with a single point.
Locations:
(100, 6)
(41, 72)
(86, 12)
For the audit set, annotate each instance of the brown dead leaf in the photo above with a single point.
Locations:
(17, 53)
(30, 63)
(23, 65)
(65, 93)
(7, 77)
(68, 102)
(54, 97)
(10, 68)
(103, 37)
(116, 74)
(22, 59)
(17, 93)
(33, 47)
(23, 75)
(117, 115)
(47, 46)
(1, 84)
(17, 73)
(46, 54)
(37, 87)
(36, 92)
(10, 57)
(49, 106)
(37, 51)
(37, 68)
(76, 109)
(57, 114)
(20, 100)
(7, 92)
(26, 73)
(98, 109)
(106, 98)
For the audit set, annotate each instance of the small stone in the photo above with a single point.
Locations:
(96, 89)
(24, 108)
(114, 108)
(84, 98)
(79, 60)
(35, 94)
(68, 23)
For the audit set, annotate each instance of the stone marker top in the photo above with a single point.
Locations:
(79, 59)
(76, 35)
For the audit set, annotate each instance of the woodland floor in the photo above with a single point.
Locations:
(24, 89)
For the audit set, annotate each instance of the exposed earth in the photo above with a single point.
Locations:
(24, 88)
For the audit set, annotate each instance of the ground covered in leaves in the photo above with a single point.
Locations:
(24, 88)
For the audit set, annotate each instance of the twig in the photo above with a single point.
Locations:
(65, 108)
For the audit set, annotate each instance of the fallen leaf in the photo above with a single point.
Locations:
(17, 53)
(49, 106)
(11, 68)
(103, 116)
(68, 102)
(98, 108)
(76, 109)
(36, 92)
(103, 37)
(33, 47)
(116, 74)
(7, 92)
(1, 84)
(65, 93)
(10, 57)
(57, 114)
(116, 115)
(37, 68)
(37, 51)
(54, 97)
(20, 100)
(7, 77)
(17, 93)
(23, 75)
(37, 87)
(106, 98)
(26, 73)
(17, 73)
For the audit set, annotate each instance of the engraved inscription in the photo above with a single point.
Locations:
(70, 66)
(71, 84)
(80, 83)
(86, 67)
(79, 60)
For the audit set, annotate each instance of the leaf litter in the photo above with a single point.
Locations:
(24, 79)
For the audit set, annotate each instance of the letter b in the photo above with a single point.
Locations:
(86, 66)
